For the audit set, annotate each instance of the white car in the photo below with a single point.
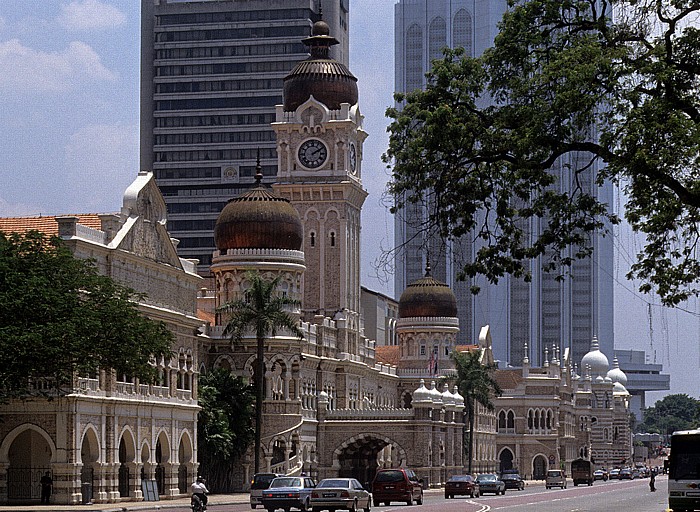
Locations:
(340, 494)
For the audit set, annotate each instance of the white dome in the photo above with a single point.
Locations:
(620, 389)
(595, 359)
(435, 394)
(599, 379)
(447, 397)
(459, 399)
(422, 394)
(616, 374)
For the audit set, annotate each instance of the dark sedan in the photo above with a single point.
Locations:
(513, 481)
(461, 485)
(490, 483)
(288, 492)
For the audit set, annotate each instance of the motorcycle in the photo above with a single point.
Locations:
(196, 504)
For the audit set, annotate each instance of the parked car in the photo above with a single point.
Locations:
(287, 492)
(399, 484)
(340, 494)
(461, 485)
(490, 483)
(555, 478)
(615, 474)
(258, 484)
(636, 473)
(600, 474)
(513, 481)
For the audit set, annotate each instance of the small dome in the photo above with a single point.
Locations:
(616, 374)
(435, 394)
(258, 219)
(427, 297)
(421, 394)
(326, 79)
(619, 389)
(447, 397)
(595, 359)
(459, 399)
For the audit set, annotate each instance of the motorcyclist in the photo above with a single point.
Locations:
(199, 489)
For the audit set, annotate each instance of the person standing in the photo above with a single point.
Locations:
(46, 487)
(652, 480)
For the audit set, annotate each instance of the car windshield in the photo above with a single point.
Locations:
(510, 477)
(487, 478)
(554, 473)
(460, 478)
(335, 483)
(285, 482)
(262, 481)
(389, 476)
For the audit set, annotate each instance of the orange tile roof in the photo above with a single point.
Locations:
(45, 224)
(388, 354)
(206, 316)
(466, 348)
(508, 379)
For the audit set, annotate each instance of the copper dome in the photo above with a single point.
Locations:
(258, 220)
(427, 297)
(327, 80)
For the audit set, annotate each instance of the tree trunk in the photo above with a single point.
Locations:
(259, 390)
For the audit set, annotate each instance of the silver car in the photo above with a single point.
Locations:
(340, 494)
(287, 492)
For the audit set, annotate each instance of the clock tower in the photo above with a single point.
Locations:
(319, 146)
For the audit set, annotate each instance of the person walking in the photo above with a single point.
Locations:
(652, 480)
(46, 487)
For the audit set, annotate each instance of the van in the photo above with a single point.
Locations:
(555, 478)
(260, 482)
(399, 484)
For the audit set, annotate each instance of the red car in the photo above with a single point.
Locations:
(461, 485)
(399, 484)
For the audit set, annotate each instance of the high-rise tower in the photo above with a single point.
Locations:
(544, 312)
(211, 75)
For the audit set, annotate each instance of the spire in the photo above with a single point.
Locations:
(258, 170)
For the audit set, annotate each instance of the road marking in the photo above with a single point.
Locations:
(484, 508)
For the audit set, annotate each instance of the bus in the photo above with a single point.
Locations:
(684, 471)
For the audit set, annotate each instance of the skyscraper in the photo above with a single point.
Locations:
(545, 312)
(211, 75)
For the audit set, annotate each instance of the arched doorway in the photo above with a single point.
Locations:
(539, 468)
(127, 458)
(506, 460)
(29, 457)
(185, 458)
(359, 457)
(162, 456)
(89, 455)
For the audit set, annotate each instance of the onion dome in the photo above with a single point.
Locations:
(427, 297)
(258, 219)
(595, 359)
(435, 393)
(616, 374)
(447, 397)
(619, 389)
(459, 399)
(326, 79)
(422, 394)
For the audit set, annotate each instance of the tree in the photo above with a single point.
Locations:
(224, 426)
(477, 385)
(264, 311)
(59, 317)
(572, 90)
(673, 412)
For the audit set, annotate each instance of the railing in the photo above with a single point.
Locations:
(126, 388)
(91, 234)
(375, 414)
(24, 483)
(184, 394)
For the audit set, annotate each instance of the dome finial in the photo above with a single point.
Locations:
(427, 266)
(258, 170)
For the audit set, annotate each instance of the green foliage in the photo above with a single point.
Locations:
(477, 385)
(59, 317)
(673, 412)
(572, 90)
(264, 311)
(224, 428)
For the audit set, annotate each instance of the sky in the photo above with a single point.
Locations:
(69, 112)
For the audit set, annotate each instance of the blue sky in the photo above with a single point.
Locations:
(69, 83)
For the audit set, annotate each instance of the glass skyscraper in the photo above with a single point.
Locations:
(546, 312)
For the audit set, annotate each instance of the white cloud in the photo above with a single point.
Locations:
(89, 15)
(28, 70)
(101, 161)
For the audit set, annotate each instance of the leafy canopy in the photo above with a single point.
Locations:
(673, 412)
(59, 316)
(581, 92)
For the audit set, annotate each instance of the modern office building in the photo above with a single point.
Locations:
(545, 312)
(211, 75)
(642, 376)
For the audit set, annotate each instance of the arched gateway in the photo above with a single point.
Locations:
(360, 456)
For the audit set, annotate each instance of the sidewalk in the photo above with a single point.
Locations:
(214, 499)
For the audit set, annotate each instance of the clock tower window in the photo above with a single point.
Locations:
(312, 239)
(332, 238)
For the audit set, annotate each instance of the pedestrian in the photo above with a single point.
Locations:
(46, 486)
(652, 480)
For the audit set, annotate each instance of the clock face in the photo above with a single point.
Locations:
(353, 158)
(313, 153)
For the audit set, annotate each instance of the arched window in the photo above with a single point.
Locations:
(332, 238)
(414, 58)
(510, 422)
(312, 239)
(437, 38)
(462, 30)
(501, 420)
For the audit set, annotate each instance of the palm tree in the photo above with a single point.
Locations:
(477, 385)
(263, 311)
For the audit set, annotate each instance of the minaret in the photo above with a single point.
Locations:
(319, 144)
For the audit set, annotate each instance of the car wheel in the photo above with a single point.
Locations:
(447, 496)
(386, 503)
(305, 506)
(367, 509)
(376, 502)
(253, 506)
(420, 498)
